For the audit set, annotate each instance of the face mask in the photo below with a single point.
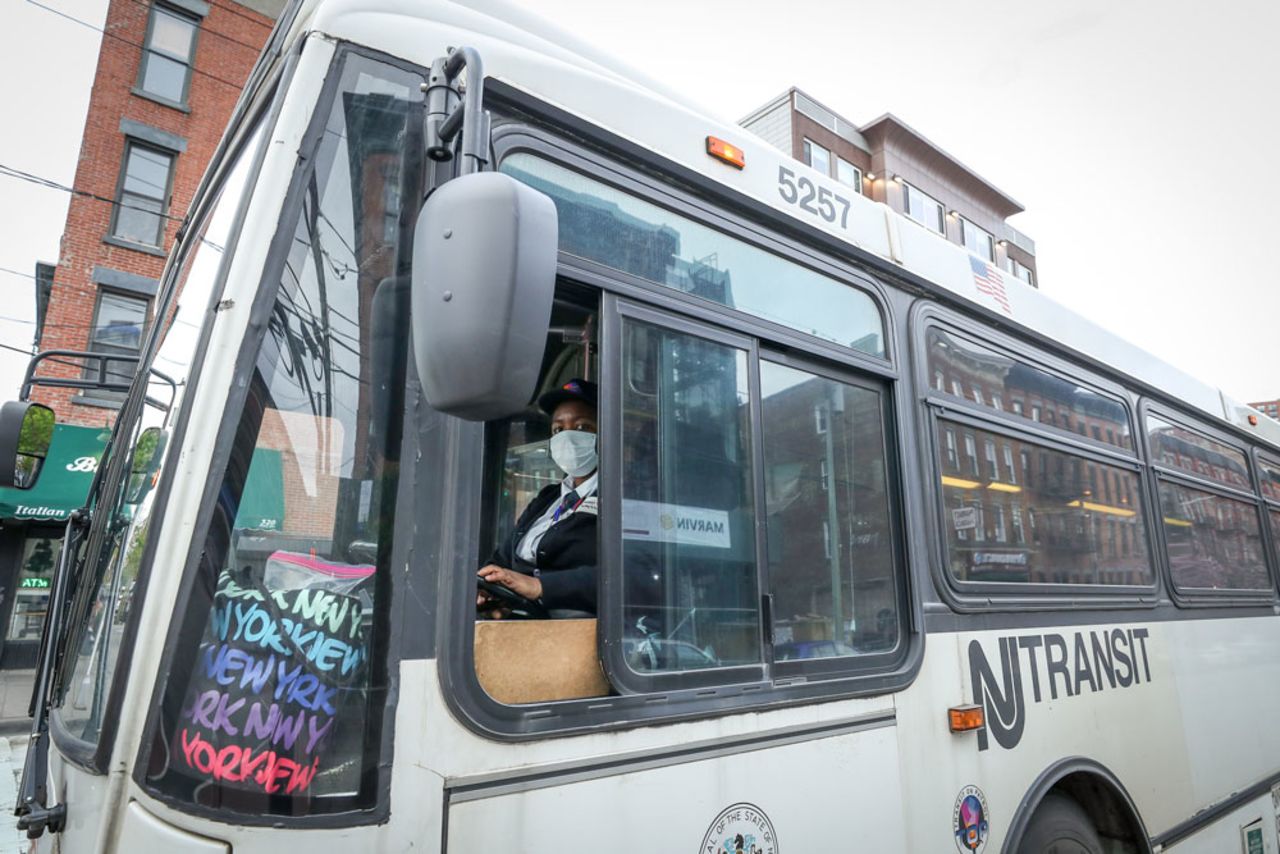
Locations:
(574, 451)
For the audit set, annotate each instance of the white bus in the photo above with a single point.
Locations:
(893, 553)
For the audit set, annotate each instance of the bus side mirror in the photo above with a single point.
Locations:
(484, 272)
(26, 431)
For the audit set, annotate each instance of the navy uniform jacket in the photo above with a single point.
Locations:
(566, 554)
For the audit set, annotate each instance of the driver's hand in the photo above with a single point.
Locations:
(526, 585)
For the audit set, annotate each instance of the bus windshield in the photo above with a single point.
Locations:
(275, 694)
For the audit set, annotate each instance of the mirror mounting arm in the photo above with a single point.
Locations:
(450, 112)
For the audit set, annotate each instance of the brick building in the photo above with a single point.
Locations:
(167, 79)
(891, 162)
(168, 76)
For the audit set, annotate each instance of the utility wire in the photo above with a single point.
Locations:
(16, 273)
(18, 350)
(83, 23)
(41, 181)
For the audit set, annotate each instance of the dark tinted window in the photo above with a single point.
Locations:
(1214, 542)
(688, 531)
(1030, 514)
(1195, 454)
(613, 228)
(830, 547)
(980, 374)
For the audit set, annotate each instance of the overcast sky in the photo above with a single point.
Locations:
(1139, 134)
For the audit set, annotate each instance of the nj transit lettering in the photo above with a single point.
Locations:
(1088, 662)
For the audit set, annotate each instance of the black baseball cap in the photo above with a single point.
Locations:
(574, 389)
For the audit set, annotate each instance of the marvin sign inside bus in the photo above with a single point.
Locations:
(1057, 667)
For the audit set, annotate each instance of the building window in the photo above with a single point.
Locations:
(119, 322)
(977, 240)
(1019, 270)
(847, 173)
(143, 196)
(168, 54)
(923, 208)
(817, 157)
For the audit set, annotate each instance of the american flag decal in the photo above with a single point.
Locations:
(990, 283)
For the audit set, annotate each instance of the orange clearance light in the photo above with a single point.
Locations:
(1253, 421)
(966, 718)
(726, 153)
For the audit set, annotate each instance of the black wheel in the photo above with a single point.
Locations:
(1060, 826)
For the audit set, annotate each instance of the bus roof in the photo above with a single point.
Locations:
(536, 57)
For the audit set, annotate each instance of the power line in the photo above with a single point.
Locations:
(41, 181)
(16, 273)
(83, 23)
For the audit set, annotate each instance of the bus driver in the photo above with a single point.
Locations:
(550, 557)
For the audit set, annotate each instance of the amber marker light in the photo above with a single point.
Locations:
(726, 153)
(1253, 421)
(966, 718)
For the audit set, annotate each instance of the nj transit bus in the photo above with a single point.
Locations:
(894, 553)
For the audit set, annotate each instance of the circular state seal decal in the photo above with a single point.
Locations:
(970, 820)
(740, 829)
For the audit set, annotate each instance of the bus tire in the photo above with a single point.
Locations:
(1060, 826)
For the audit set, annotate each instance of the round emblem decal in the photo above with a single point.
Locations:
(970, 820)
(740, 829)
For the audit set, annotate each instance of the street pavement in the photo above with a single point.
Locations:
(12, 751)
(15, 699)
(15, 696)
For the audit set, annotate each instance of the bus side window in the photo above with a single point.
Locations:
(831, 555)
(689, 563)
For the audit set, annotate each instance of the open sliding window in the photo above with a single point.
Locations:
(1038, 479)
(748, 530)
(1212, 519)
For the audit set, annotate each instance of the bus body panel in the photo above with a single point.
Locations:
(1256, 820)
(1212, 677)
(817, 795)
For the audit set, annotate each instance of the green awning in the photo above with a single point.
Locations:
(64, 479)
(262, 504)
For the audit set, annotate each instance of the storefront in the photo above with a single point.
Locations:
(31, 527)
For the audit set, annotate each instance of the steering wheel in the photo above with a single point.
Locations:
(520, 606)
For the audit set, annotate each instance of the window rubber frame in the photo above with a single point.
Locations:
(966, 597)
(890, 449)
(653, 179)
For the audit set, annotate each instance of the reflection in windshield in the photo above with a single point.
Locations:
(626, 233)
(275, 703)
